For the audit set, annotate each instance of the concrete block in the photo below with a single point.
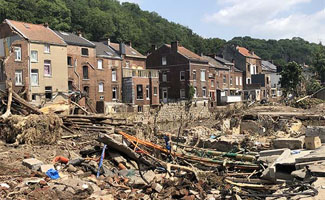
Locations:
(316, 131)
(291, 143)
(32, 163)
(157, 187)
(312, 142)
(45, 168)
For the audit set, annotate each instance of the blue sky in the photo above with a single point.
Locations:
(265, 19)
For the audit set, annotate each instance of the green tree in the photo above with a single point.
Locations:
(319, 62)
(291, 78)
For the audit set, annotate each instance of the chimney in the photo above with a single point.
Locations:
(79, 33)
(174, 46)
(153, 48)
(129, 43)
(122, 48)
(46, 25)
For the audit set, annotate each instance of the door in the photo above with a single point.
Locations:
(165, 95)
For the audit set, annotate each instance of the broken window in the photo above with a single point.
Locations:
(34, 77)
(48, 92)
(85, 72)
(114, 93)
(84, 52)
(182, 75)
(139, 92)
(17, 53)
(33, 97)
(19, 77)
(147, 92)
(69, 61)
(34, 56)
(47, 68)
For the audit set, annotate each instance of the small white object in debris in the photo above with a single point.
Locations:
(5, 185)
(85, 186)
(323, 186)
(58, 168)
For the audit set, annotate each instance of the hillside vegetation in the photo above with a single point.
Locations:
(100, 19)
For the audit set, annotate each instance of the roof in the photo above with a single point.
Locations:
(35, 32)
(103, 50)
(245, 52)
(73, 39)
(189, 54)
(268, 66)
(213, 62)
(129, 51)
(223, 61)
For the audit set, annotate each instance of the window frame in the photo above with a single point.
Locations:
(69, 58)
(18, 53)
(47, 48)
(82, 53)
(114, 75)
(163, 60)
(182, 93)
(204, 92)
(48, 91)
(100, 66)
(194, 75)
(20, 73)
(85, 76)
(101, 87)
(203, 71)
(114, 90)
(164, 77)
(180, 76)
(155, 91)
(138, 92)
(147, 92)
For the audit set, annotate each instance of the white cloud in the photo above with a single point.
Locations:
(269, 19)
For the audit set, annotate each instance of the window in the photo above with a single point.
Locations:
(114, 78)
(139, 92)
(34, 77)
(194, 75)
(127, 64)
(47, 48)
(204, 92)
(195, 92)
(48, 92)
(252, 69)
(182, 93)
(140, 108)
(164, 77)
(212, 83)
(230, 80)
(34, 56)
(33, 97)
(19, 77)
(47, 68)
(267, 80)
(69, 61)
(155, 91)
(163, 60)
(86, 90)
(100, 64)
(84, 52)
(248, 81)
(147, 92)
(182, 75)
(70, 87)
(17, 53)
(114, 93)
(101, 87)
(240, 81)
(224, 79)
(237, 80)
(202, 75)
(85, 72)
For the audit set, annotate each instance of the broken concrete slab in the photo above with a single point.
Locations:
(305, 164)
(317, 170)
(45, 168)
(270, 172)
(315, 155)
(291, 143)
(301, 173)
(272, 152)
(32, 163)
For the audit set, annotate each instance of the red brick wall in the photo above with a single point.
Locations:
(153, 99)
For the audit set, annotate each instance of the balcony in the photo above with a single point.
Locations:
(142, 73)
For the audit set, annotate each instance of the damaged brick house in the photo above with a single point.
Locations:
(228, 80)
(255, 83)
(271, 70)
(140, 85)
(32, 58)
(179, 68)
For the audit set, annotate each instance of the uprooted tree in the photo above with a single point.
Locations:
(291, 78)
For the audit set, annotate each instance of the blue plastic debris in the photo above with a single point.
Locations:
(53, 174)
(167, 142)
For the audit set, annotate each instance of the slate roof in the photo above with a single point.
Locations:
(73, 39)
(213, 62)
(35, 32)
(103, 50)
(129, 51)
(245, 52)
(268, 66)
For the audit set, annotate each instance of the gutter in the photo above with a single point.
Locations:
(75, 71)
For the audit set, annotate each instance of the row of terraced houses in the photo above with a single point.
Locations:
(48, 66)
